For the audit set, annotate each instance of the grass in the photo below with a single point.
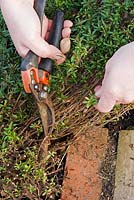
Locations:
(100, 28)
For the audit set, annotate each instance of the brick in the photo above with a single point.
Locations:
(81, 178)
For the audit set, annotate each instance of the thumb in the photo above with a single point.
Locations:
(98, 91)
(106, 102)
(40, 47)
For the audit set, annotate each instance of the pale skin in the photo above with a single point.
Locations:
(118, 83)
(24, 27)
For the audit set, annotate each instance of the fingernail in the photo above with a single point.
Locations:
(60, 56)
(98, 94)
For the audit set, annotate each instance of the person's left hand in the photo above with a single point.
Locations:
(118, 82)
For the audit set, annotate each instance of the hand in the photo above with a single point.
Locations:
(24, 27)
(118, 83)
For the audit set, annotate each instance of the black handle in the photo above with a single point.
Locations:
(46, 64)
(31, 58)
(39, 6)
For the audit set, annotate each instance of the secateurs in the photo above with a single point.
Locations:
(36, 75)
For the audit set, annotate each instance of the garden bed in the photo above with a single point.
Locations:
(100, 28)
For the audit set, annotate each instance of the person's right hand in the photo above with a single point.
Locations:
(24, 27)
(118, 83)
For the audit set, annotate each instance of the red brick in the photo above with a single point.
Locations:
(81, 179)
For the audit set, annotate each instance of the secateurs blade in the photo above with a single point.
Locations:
(36, 75)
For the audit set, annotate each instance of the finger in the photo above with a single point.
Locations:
(106, 103)
(128, 99)
(98, 91)
(97, 88)
(50, 22)
(22, 50)
(65, 45)
(47, 36)
(60, 61)
(45, 26)
(68, 24)
(40, 47)
(66, 32)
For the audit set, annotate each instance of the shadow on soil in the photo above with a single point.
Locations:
(107, 172)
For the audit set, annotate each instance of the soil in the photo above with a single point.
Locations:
(107, 172)
(59, 144)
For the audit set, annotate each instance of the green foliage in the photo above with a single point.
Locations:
(37, 125)
(100, 28)
(9, 135)
(90, 101)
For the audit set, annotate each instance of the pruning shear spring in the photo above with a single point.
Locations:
(36, 75)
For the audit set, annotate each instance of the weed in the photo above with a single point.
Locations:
(90, 101)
